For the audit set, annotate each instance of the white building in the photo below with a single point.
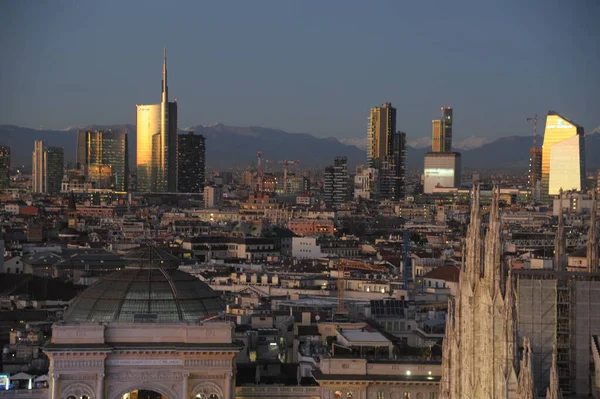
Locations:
(306, 248)
(442, 169)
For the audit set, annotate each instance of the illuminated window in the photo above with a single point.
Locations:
(406, 395)
(380, 395)
(338, 394)
(85, 397)
(349, 395)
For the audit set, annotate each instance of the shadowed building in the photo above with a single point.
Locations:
(191, 163)
(4, 167)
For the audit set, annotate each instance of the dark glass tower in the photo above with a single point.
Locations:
(55, 162)
(4, 167)
(191, 161)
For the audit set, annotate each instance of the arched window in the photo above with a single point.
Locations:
(84, 397)
(71, 397)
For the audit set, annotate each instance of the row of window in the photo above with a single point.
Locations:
(381, 395)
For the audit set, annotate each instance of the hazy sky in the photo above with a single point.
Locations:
(302, 66)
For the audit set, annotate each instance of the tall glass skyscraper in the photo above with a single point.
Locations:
(441, 132)
(4, 167)
(104, 157)
(191, 161)
(563, 156)
(55, 164)
(157, 143)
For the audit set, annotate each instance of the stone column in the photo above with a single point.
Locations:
(54, 386)
(227, 388)
(100, 386)
(184, 388)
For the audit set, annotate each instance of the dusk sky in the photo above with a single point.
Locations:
(302, 66)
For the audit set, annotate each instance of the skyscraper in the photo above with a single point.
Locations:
(441, 132)
(392, 169)
(382, 124)
(38, 167)
(191, 163)
(157, 142)
(55, 164)
(386, 152)
(563, 156)
(336, 182)
(103, 155)
(4, 167)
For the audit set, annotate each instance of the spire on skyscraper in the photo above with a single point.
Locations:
(164, 80)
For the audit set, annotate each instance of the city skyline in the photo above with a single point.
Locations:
(286, 89)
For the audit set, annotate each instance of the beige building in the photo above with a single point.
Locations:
(382, 124)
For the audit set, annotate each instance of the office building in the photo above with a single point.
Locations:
(55, 165)
(104, 158)
(4, 167)
(441, 131)
(442, 170)
(392, 169)
(386, 152)
(191, 163)
(157, 143)
(382, 124)
(336, 182)
(535, 171)
(38, 167)
(213, 197)
(563, 156)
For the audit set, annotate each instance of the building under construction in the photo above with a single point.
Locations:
(563, 308)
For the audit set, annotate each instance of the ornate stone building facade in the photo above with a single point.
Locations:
(481, 355)
(109, 361)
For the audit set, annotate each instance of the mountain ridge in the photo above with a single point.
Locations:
(235, 146)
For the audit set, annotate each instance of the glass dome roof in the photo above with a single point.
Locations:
(145, 295)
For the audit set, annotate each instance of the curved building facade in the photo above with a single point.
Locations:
(563, 156)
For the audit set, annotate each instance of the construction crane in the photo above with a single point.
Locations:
(286, 163)
(535, 159)
(342, 265)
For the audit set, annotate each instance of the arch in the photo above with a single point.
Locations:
(207, 388)
(150, 386)
(77, 389)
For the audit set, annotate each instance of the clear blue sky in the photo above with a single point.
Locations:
(302, 66)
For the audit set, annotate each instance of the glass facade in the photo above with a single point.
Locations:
(436, 135)
(148, 126)
(102, 152)
(4, 167)
(55, 163)
(191, 160)
(145, 295)
(568, 164)
(441, 170)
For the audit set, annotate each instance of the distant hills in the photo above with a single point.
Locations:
(229, 146)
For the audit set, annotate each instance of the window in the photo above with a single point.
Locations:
(433, 395)
(406, 395)
(71, 397)
(380, 395)
(338, 394)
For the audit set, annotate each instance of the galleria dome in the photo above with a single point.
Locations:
(150, 290)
